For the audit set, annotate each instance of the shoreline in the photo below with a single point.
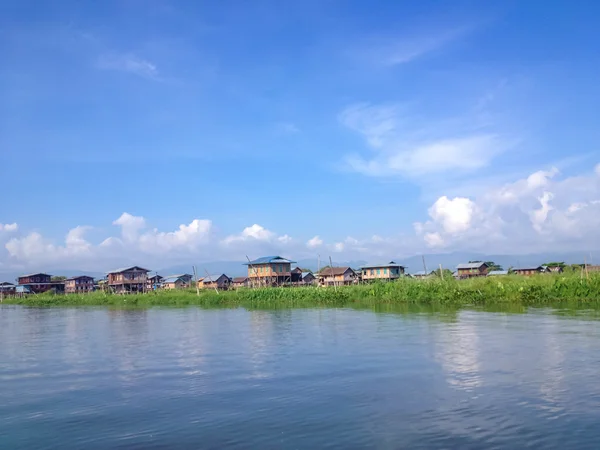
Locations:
(535, 290)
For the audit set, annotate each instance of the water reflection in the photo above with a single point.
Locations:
(414, 376)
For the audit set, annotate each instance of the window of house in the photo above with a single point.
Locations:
(378, 271)
(281, 268)
(385, 271)
(372, 272)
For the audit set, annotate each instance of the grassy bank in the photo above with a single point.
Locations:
(537, 290)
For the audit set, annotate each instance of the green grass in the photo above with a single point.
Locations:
(510, 290)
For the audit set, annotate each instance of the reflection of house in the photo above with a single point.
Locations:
(529, 271)
(129, 279)
(330, 276)
(497, 273)
(170, 283)
(269, 270)
(41, 282)
(472, 269)
(309, 278)
(221, 281)
(79, 285)
(153, 283)
(239, 282)
(389, 271)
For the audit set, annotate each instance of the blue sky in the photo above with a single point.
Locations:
(385, 128)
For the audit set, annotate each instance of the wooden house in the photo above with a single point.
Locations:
(296, 275)
(337, 276)
(154, 283)
(219, 281)
(185, 277)
(240, 282)
(389, 271)
(308, 278)
(529, 271)
(497, 273)
(129, 279)
(41, 282)
(472, 269)
(7, 288)
(174, 282)
(79, 285)
(269, 271)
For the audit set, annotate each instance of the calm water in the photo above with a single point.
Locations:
(192, 378)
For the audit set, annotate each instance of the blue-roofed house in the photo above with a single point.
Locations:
(388, 271)
(497, 273)
(269, 271)
(173, 282)
(420, 275)
(219, 281)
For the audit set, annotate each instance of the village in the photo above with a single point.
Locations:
(268, 271)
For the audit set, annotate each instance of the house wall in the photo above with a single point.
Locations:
(270, 270)
(80, 285)
(473, 272)
(174, 285)
(129, 276)
(35, 279)
(376, 273)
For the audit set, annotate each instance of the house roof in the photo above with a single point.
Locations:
(155, 276)
(420, 273)
(497, 272)
(182, 275)
(79, 277)
(240, 279)
(375, 266)
(297, 269)
(328, 271)
(35, 275)
(23, 289)
(269, 260)
(6, 283)
(473, 265)
(172, 279)
(212, 278)
(125, 269)
(520, 269)
(308, 274)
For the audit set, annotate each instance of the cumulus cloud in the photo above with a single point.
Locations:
(8, 227)
(538, 213)
(254, 232)
(314, 242)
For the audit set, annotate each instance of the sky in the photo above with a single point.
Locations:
(159, 132)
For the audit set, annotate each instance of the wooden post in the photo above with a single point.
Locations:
(253, 269)
(216, 289)
(441, 272)
(424, 265)
(332, 275)
(196, 281)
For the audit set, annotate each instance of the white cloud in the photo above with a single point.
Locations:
(254, 232)
(597, 169)
(130, 226)
(314, 242)
(538, 213)
(400, 145)
(8, 227)
(127, 62)
(454, 215)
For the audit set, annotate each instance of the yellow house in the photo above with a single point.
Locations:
(269, 271)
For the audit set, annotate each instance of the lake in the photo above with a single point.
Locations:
(306, 378)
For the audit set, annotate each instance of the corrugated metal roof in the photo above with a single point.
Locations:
(375, 266)
(330, 271)
(172, 279)
(473, 265)
(128, 268)
(6, 283)
(79, 277)
(269, 260)
(497, 272)
(307, 275)
(35, 275)
(420, 273)
(240, 279)
(527, 268)
(23, 289)
(213, 278)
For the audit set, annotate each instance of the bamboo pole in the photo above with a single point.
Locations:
(196, 281)
(254, 269)
(332, 275)
(208, 275)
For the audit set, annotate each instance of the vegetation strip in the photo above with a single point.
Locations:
(535, 290)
